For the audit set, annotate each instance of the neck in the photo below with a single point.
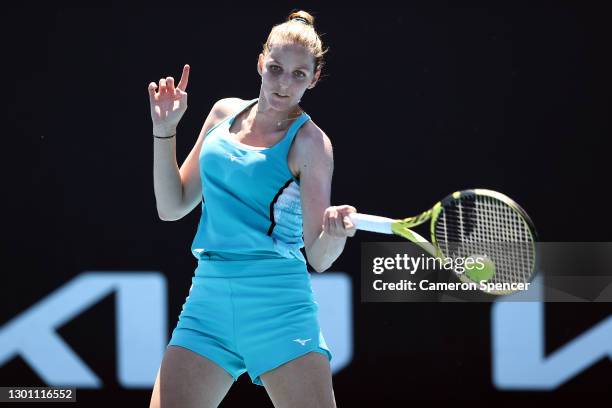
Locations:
(263, 119)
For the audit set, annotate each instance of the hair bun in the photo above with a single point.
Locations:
(301, 17)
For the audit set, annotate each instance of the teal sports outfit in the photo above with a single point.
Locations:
(250, 307)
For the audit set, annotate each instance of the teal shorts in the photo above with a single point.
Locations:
(250, 315)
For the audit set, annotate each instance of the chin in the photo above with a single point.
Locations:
(274, 101)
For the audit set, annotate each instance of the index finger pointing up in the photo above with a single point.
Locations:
(184, 78)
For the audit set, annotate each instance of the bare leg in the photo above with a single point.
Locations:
(303, 382)
(186, 379)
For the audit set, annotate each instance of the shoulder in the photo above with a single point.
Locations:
(312, 142)
(226, 106)
(312, 152)
(220, 111)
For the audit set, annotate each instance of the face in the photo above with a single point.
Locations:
(286, 70)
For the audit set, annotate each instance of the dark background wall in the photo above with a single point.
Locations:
(418, 102)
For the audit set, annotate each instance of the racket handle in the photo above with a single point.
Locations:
(372, 223)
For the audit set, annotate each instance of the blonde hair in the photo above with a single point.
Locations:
(298, 29)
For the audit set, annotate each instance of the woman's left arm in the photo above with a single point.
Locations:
(325, 227)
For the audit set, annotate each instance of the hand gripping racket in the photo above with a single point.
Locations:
(468, 223)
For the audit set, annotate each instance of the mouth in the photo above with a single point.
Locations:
(280, 95)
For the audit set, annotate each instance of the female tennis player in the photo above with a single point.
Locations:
(262, 170)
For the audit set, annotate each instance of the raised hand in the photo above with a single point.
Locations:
(168, 104)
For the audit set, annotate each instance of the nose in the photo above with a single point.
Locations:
(284, 81)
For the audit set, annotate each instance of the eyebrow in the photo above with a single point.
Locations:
(278, 62)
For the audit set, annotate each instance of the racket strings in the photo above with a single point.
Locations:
(483, 225)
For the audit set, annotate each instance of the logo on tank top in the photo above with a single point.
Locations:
(302, 342)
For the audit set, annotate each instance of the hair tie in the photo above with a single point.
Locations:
(301, 20)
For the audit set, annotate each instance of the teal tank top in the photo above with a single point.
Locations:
(251, 205)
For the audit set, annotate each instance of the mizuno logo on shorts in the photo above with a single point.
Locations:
(302, 342)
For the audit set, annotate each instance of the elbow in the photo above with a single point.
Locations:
(168, 217)
(317, 265)
(319, 268)
(164, 218)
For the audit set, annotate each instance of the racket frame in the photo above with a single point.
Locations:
(403, 227)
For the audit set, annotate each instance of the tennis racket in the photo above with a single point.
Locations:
(469, 223)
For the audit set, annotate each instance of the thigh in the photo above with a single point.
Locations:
(303, 382)
(186, 379)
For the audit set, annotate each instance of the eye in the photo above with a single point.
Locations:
(300, 74)
(274, 67)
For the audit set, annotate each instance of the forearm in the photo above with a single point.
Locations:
(166, 178)
(324, 251)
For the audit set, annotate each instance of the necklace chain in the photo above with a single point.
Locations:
(284, 120)
(278, 123)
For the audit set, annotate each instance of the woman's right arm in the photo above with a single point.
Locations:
(177, 191)
(190, 170)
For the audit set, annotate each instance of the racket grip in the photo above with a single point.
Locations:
(372, 223)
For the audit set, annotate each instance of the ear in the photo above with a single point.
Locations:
(315, 79)
(260, 61)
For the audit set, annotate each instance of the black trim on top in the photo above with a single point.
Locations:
(280, 191)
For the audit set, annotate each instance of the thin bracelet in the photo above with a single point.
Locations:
(164, 137)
